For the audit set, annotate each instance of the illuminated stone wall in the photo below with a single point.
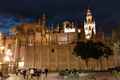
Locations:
(60, 57)
(55, 53)
(53, 57)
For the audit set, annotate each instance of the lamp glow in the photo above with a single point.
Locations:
(6, 58)
(21, 64)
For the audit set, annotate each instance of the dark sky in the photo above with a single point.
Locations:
(106, 12)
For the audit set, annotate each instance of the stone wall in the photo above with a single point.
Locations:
(60, 57)
(54, 51)
(51, 57)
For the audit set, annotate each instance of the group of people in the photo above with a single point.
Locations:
(32, 72)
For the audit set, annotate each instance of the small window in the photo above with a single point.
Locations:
(53, 50)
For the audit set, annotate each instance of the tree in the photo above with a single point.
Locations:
(90, 49)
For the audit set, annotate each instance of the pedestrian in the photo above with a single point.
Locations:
(43, 76)
(32, 72)
(18, 72)
(35, 73)
(24, 73)
(40, 72)
(46, 71)
(27, 74)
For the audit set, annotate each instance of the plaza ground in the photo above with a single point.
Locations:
(55, 76)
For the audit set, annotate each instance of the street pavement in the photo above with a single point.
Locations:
(55, 76)
(14, 77)
(51, 76)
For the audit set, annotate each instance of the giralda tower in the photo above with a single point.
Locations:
(89, 25)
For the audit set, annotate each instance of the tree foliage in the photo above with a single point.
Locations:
(92, 49)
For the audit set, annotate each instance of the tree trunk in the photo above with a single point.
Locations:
(86, 60)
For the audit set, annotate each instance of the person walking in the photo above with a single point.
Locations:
(24, 74)
(46, 72)
(31, 73)
(38, 73)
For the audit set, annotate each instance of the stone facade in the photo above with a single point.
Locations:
(55, 52)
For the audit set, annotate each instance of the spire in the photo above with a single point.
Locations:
(44, 18)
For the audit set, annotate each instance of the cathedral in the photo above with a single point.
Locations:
(34, 45)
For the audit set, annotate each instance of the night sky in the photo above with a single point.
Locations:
(106, 12)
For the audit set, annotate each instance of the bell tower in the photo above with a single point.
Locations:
(89, 25)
